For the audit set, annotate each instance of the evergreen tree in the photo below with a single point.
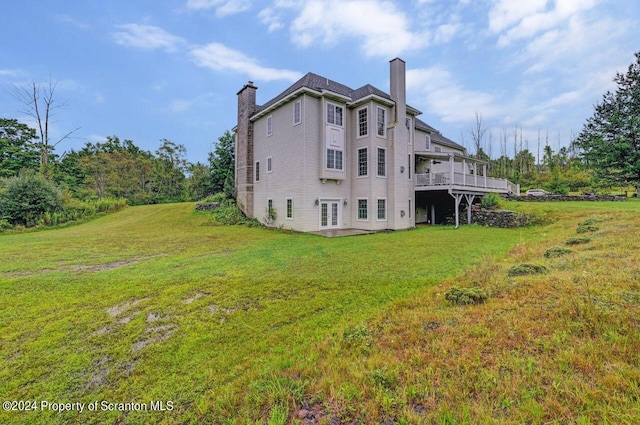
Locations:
(18, 149)
(610, 140)
(222, 163)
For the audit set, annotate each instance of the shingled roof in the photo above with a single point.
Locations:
(436, 136)
(319, 83)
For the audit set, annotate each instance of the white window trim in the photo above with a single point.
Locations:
(256, 172)
(386, 207)
(385, 162)
(384, 124)
(366, 134)
(427, 142)
(299, 106)
(326, 162)
(358, 209)
(286, 209)
(326, 111)
(269, 164)
(358, 163)
(270, 207)
(270, 126)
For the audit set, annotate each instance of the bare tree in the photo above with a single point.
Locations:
(477, 132)
(39, 103)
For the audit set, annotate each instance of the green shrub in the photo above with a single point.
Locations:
(577, 241)
(465, 296)
(582, 228)
(556, 251)
(27, 198)
(228, 214)
(217, 197)
(490, 201)
(526, 269)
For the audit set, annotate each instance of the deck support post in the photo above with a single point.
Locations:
(458, 199)
(469, 197)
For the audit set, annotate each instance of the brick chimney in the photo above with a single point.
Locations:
(244, 148)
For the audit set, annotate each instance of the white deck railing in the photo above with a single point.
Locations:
(469, 180)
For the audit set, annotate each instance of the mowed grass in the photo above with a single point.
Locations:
(248, 325)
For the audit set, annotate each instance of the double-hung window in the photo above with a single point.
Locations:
(297, 112)
(334, 114)
(334, 159)
(289, 208)
(363, 209)
(363, 166)
(428, 142)
(382, 162)
(363, 122)
(381, 123)
(382, 209)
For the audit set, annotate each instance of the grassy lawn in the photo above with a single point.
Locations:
(247, 325)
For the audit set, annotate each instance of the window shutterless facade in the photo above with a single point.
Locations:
(382, 209)
(381, 124)
(363, 122)
(269, 165)
(382, 162)
(334, 114)
(427, 142)
(257, 171)
(334, 159)
(363, 166)
(363, 209)
(269, 125)
(289, 208)
(297, 112)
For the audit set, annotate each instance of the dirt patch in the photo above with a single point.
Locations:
(197, 296)
(102, 267)
(157, 334)
(102, 331)
(98, 374)
(117, 310)
(152, 317)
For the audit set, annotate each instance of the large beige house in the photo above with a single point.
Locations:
(323, 156)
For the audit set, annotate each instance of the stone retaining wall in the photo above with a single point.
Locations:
(563, 198)
(207, 207)
(501, 218)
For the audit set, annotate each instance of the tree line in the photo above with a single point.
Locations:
(605, 154)
(111, 170)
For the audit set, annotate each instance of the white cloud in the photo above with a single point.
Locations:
(435, 90)
(222, 7)
(69, 20)
(506, 13)
(381, 28)
(523, 20)
(445, 33)
(271, 19)
(9, 73)
(221, 58)
(147, 37)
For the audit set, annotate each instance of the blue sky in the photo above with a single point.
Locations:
(147, 70)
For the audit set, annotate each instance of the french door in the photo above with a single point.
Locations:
(330, 214)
